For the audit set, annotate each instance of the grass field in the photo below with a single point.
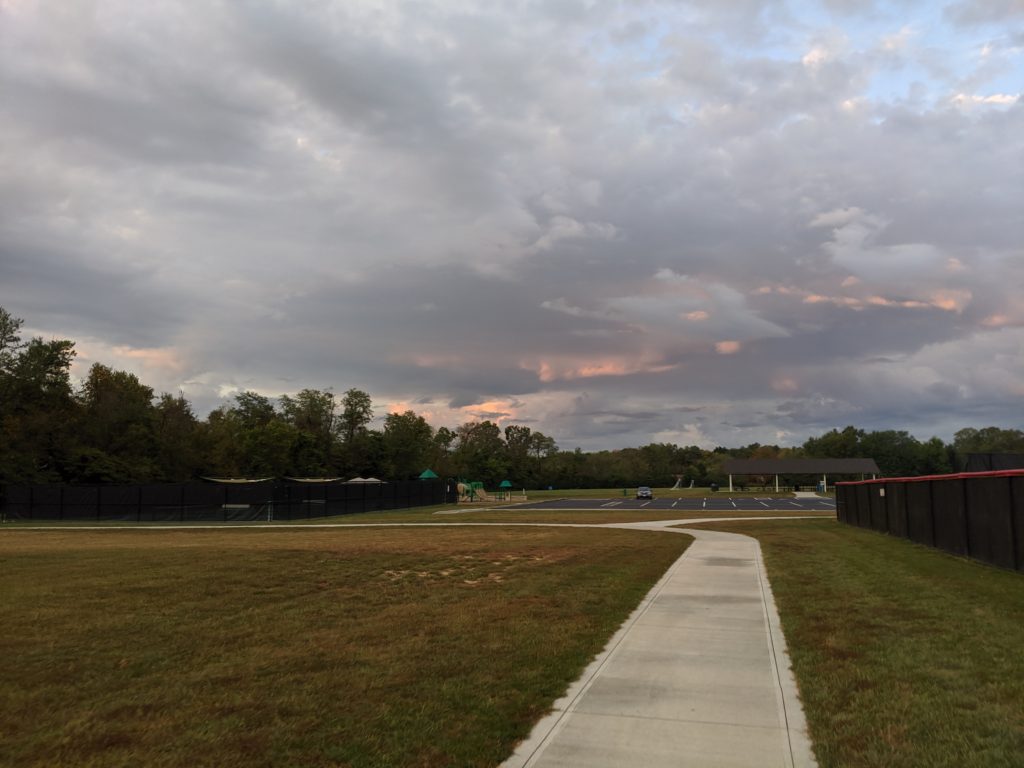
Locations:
(484, 513)
(905, 656)
(355, 647)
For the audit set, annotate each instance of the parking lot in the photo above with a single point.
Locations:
(706, 504)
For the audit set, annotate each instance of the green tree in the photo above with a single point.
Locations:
(836, 444)
(178, 443)
(10, 341)
(116, 427)
(407, 443)
(935, 458)
(253, 409)
(360, 453)
(480, 453)
(441, 452)
(356, 414)
(37, 408)
(988, 440)
(896, 452)
(312, 413)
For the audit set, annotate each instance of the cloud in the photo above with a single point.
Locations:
(704, 222)
(969, 100)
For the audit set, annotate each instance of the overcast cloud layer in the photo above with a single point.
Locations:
(696, 222)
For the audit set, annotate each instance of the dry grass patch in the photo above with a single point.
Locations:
(353, 647)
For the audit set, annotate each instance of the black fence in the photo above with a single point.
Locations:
(217, 502)
(978, 515)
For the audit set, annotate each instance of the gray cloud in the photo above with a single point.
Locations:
(694, 222)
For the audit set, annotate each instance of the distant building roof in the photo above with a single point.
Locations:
(800, 467)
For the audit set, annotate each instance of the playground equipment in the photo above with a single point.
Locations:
(472, 491)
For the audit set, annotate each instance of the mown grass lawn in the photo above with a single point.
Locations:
(354, 647)
(905, 656)
(451, 513)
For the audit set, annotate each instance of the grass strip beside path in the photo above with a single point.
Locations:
(905, 656)
(354, 647)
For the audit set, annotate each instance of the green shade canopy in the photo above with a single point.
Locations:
(428, 475)
(505, 484)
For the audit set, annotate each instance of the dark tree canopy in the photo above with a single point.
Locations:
(115, 428)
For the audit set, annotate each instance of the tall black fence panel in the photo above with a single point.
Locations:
(843, 503)
(120, 502)
(80, 502)
(863, 515)
(990, 521)
(978, 515)
(1017, 518)
(950, 517)
(48, 502)
(896, 508)
(919, 513)
(215, 502)
(17, 502)
(879, 516)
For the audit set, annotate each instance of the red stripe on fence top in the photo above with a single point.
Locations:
(926, 478)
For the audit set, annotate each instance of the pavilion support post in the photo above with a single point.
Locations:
(824, 483)
(730, 483)
(776, 483)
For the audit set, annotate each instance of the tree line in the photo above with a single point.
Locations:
(112, 428)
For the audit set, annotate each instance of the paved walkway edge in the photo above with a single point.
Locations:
(548, 726)
(800, 750)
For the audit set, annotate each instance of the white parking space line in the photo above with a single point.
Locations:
(612, 504)
(733, 503)
(644, 505)
(674, 503)
(796, 505)
(704, 504)
(764, 505)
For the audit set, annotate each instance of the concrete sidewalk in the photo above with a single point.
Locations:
(698, 676)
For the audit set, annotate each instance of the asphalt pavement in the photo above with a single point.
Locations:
(706, 504)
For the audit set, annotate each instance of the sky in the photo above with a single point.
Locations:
(709, 223)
